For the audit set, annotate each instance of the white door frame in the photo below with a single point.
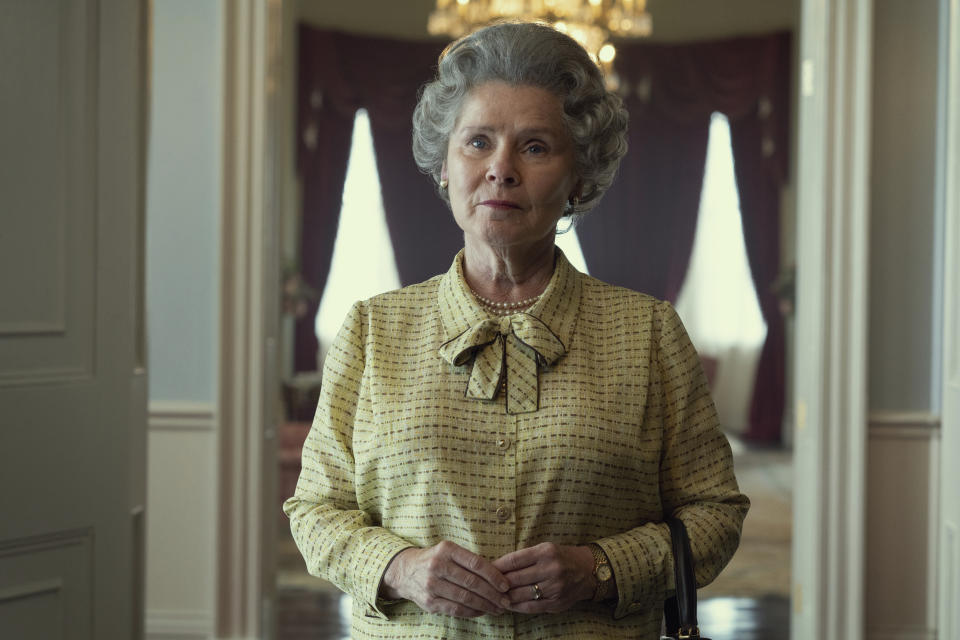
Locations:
(948, 551)
(831, 374)
(249, 321)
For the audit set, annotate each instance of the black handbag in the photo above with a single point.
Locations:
(680, 611)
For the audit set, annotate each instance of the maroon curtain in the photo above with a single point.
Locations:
(759, 139)
(641, 235)
(338, 74)
(325, 116)
(422, 230)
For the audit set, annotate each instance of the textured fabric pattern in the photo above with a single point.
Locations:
(625, 433)
(508, 349)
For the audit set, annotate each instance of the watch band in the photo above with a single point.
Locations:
(602, 572)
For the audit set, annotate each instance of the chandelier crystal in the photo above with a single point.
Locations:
(590, 22)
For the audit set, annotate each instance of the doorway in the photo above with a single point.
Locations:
(743, 599)
(810, 407)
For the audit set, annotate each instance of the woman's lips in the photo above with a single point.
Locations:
(500, 204)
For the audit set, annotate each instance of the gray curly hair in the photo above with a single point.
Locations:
(524, 53)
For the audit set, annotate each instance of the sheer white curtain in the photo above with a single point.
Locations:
(362, 263)
(717, 302)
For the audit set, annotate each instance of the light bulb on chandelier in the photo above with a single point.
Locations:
(592, 23)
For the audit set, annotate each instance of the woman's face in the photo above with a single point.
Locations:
(510, 165)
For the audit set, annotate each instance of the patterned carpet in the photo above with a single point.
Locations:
(761, 566)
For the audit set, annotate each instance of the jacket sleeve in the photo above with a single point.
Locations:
(339, 542)
(697, 483)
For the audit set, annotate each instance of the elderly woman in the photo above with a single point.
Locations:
(495, 449)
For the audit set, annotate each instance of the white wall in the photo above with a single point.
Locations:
(183, 199)
(183, 262)
(902, 470)
(902, 212)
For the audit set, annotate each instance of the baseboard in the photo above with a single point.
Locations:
(900, 633)
(179, 624)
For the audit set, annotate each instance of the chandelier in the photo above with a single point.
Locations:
(589, 22)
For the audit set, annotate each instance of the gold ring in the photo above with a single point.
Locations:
(537, 594)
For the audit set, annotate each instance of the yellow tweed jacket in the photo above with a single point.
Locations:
(621, 433)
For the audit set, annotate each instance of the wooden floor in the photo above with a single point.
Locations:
(324, 615)
(748, 602)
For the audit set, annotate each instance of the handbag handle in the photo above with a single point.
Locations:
(680, 611)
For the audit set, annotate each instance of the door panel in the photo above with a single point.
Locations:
(47, 58)
(72, 388)
(43, 584)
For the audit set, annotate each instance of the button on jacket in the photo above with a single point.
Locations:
(606, 429)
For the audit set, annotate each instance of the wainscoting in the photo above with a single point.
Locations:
(181, 521)
(902, 522)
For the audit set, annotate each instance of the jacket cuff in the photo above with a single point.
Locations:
(641, 568)
(375, 560)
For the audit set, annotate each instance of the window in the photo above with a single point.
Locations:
(717, 302)
(363, 264)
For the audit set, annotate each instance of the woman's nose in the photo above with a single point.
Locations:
(502, 169)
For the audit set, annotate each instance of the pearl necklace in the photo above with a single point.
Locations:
(505, 308)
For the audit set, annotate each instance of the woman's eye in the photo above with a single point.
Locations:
(478, 143)
(536, 148)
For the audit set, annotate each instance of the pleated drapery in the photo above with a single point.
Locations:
(641, 235)
(338, 74)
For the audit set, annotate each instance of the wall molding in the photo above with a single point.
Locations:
(182, 416)
(831, 367)
(903, 424)
(948, 615)
(905, 418)
(249, 321)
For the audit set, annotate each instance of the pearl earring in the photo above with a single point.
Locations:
(444, 183)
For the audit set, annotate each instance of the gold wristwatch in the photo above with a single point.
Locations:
(602, 572)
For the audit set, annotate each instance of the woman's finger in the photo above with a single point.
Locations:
(563, 573)
(476, 586)
(437, 604)
(516, 560)
(527, 566)
(528, 576)
(530, 592)
(447, 578)
(479, 566)
(449, 590)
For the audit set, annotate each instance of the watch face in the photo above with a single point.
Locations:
(604, 573)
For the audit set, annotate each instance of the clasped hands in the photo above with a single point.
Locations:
(448, 579)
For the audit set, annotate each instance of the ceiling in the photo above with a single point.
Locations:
(673, 20)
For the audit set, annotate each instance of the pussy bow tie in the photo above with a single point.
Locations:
(521, 342)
